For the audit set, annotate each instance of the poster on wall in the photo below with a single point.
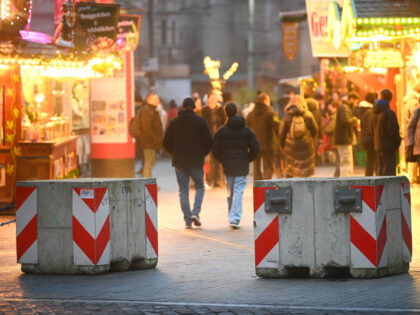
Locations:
(108, 110)
(317, 11)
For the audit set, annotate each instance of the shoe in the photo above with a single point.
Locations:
(140, 172)
(196, 220)
(207, 187)
(188, 226)
(234, 226)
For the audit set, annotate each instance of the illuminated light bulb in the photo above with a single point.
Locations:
(370, 33)
(417, 30)
(397, 21)
(399, 33)
(392, 33)
(372, 21)
(391, 21)
(366, 21)
(403, 20)
(385, 20)
(405, 32)
(381, 30)
(386, 32)
(359, 33)
(359, 21)
(376, 32)
(365, 33)
(410, 20)
(416, 20)
(411, 31)
(378, 21)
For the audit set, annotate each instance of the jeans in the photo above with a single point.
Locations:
(345, 153)
(183, 177)
(149, 162)
(235, 187)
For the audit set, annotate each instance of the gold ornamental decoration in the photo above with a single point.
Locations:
(290, 39)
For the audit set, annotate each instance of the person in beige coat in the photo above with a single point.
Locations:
(413, 132)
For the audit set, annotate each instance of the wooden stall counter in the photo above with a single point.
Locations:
(46, 159)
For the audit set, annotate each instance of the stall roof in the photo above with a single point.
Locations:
(387, 8)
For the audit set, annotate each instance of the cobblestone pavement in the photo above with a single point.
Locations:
(203, 271)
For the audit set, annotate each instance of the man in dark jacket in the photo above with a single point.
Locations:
(235, 146)
(215, 117)
(386, 135)
(151, 133)
(366, 126)
(188, 139)
(344, 134)
(265, 124)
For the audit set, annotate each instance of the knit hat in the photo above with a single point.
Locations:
(188, 103)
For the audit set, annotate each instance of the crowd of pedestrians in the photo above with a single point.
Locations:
(213, 145)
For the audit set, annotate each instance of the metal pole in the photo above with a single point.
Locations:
(251, 74)
(151, 42)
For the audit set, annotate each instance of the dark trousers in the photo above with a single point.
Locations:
(370, 162)
(266, 157)
(387, 163)
(215, 177)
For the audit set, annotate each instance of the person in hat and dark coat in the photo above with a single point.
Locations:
(188, 140)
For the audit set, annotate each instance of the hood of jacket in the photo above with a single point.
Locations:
(312, 104)
(236, 122)
(365, 104)
(380, 106)
(294, 110)
(260, 108)
(185, 115)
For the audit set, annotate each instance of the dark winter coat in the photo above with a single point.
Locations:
(413, 131)
(344, 125)
(366, 124)
(215, 118)
(151, 128)
(188, 139)
(299, 153)
(386, 129)
(265, 124)
(235, 146)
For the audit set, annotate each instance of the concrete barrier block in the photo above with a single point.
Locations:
(371, 238)
(332, 231)
(68, 210)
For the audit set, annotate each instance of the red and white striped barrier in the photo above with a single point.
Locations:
(406, 222)
(151, 221)
(368, 234)
(266, 232)
(91, 228)
(26, 225)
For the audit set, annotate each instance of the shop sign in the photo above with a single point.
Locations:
(96, 24)
(383, 59)
(317, 11)
(290, 39)
(128, 32)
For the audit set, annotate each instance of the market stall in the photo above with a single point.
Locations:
(46, 83)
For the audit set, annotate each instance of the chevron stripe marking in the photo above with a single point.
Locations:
(27, 237)
(93, 203)
(153, 192)
(102, 240)
(363, 241)
(379, 189)
(381, 242)
(259, 196)
(22, 193)
(266, 241)
(368, 196)
(84, 240)
(152, 233)
(407, 195)
(407, 237)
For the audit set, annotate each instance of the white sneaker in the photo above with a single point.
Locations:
(234, 226)
(206, 187)
(196, 220)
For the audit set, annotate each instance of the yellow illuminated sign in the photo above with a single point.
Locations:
(383, 59)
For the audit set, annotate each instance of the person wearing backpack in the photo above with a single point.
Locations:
(297, 136)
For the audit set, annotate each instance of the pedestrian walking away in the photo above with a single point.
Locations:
(386, 135)
(235, 146)
(366, 126)
(413, 133)
(344, 136)
(151, 132)
(188, 140)
(215, 117)
(263, 121)
(297, 138)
